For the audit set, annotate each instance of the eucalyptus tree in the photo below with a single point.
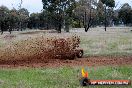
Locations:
(23, 18)
(100, 13)
(125, 14)
(110, 4)
(4, 11)
(86, 12)
(59, 11)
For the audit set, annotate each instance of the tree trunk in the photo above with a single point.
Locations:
(59, 28)
(89, 21)
(67, 28)
(79, 23)
(2, 27)
(85, 26)
(10, 29)
(105, 19)
(59, 24)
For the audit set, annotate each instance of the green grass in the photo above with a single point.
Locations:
(65, 77)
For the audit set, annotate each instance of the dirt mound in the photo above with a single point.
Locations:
(90, 61)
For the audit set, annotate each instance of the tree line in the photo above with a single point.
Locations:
(58, 14)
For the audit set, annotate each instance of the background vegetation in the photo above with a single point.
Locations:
(65, 14)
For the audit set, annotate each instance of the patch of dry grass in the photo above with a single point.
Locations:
(115, 41)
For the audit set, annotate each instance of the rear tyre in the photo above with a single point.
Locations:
(80, 54)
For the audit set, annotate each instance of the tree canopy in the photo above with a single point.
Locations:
(109, 3)
(59, 10)
(125, 14)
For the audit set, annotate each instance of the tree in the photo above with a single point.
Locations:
(100, 13)
(125, 14)
(20, 6)
(109, 4)
(13, 19)
(58, 10)
(86, 12)
(68, 13)
(79, 16)
(23, 18)
(24, 11)
(44, 22)
(4, 11)
(34, 20)
(116, 19)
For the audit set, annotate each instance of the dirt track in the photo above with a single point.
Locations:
(89, 61)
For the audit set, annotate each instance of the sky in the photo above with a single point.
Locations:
(34, 6)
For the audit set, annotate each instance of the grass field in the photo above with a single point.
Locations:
(114, 42)
(65, 77)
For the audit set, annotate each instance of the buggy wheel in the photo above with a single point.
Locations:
(80, 54)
